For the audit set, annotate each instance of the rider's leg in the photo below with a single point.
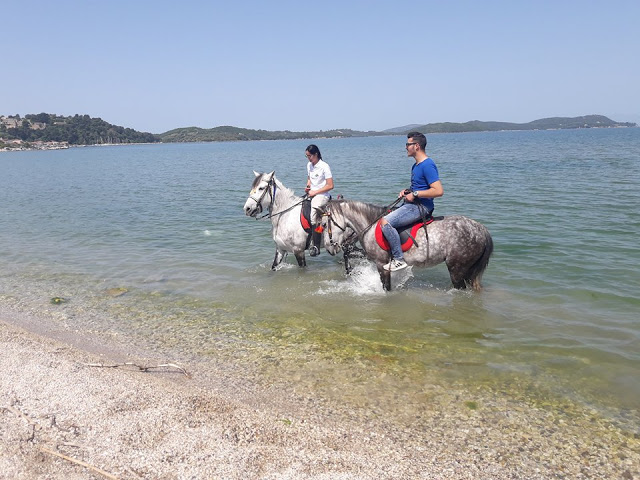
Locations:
(317, 202)
(393, 237)
(406, 214)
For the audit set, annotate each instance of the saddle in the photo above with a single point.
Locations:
(305, 215)
(407, 235)
(305, 221)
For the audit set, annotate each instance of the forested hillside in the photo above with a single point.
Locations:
(75, 130)
(227, 133)
(28, 131)
(552, 123)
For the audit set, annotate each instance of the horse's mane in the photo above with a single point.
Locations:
(256, 181)
(368, 211)
(287, 190)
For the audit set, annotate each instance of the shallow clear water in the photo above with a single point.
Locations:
(562, 292)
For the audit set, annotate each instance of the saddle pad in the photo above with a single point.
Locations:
(305, 215)
(407, 235)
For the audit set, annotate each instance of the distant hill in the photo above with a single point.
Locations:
(227, 133)
(403, 129)
(553, 123)
(73, 130)
(28, 131)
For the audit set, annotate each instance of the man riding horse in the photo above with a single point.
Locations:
(418, 200)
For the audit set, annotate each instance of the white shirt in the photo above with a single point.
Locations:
(318, 175)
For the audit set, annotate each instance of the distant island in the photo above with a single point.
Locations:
(47, 131)
(217, 134)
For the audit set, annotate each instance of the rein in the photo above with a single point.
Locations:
(272, 184)
(330, 222)
(271, 215)
(349, 240)
(386, 209)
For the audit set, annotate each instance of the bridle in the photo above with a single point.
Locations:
(332, 222)
(270, 184)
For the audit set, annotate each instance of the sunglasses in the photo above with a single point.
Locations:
(406, 145)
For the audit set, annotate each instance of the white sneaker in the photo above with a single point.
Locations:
(394, 265)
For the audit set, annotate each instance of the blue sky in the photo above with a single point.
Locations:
(295, 65)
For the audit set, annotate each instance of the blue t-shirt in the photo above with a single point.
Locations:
(423, 174)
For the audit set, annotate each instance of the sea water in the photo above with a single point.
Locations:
(147, 246)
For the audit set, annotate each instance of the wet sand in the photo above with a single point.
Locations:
(62, 418)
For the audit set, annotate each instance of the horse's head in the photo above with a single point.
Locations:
(336, 230)
(259, 190)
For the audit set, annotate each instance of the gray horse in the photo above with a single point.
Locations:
(284, 206)
(462, 243)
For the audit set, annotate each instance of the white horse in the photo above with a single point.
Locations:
(284, 207)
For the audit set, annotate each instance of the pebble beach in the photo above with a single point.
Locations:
(73, 412)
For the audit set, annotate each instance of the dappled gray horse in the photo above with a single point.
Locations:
(462, 243)
(284, 206)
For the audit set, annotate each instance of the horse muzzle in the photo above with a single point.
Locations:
(251, 210)
(332, 247)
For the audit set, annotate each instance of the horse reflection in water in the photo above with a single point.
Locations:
(463, 244)
(284, 206)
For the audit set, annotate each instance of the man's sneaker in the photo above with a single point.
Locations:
(394, 265)
(314, 251)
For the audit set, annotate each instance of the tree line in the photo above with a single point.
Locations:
(75, 130)
(84, 130)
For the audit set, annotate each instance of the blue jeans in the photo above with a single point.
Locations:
(407, 214)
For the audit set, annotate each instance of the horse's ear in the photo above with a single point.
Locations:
(256, 173)
(272, 173)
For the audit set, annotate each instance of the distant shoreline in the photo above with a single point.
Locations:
(65, 146)
(40, 129)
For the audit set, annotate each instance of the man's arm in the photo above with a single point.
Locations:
(435, 190)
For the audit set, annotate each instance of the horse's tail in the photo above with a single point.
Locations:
(477, 269)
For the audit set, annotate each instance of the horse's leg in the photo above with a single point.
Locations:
(385, 278)
(474, 279)
(457, 273)
(469, 273)
(347, 265)
(458, 283)
(280, 256)
(302, 262)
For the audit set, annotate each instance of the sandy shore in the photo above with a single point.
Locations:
(62, 418)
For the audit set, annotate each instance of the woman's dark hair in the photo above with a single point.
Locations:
(418, 137)
(314, 150)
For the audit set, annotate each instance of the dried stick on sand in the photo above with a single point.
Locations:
(142, 368)
(79, 462)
